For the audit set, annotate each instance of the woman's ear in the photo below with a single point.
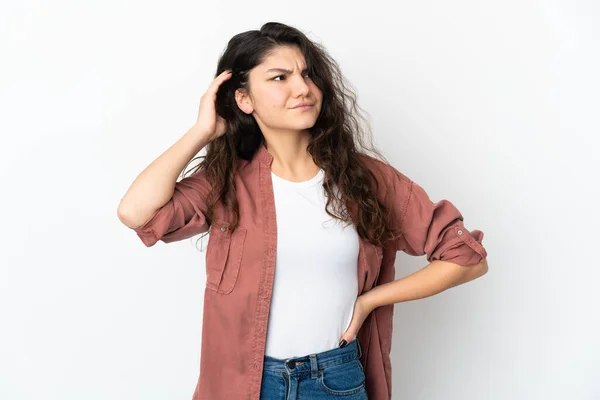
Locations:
(243, 101)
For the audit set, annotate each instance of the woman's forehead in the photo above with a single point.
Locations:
(283, 58)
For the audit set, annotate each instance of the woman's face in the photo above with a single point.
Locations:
(275, 93)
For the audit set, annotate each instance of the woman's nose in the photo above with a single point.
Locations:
(300, 87)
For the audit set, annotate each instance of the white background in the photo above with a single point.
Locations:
(493, 105)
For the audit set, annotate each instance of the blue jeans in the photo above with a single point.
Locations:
(332, 374)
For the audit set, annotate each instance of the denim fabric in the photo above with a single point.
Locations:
(332, 374)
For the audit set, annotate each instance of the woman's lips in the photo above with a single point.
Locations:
(303, 107)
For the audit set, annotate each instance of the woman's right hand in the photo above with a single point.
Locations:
(209, 122)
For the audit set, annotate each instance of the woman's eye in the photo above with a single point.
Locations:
(283, 76)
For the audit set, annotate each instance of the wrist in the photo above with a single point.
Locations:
(199, 132)
(368, 300)
(198, 137)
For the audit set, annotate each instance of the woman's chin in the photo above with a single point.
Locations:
(308, 123)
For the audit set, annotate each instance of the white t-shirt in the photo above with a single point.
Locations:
(315, 285)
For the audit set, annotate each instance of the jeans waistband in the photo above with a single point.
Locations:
(315, 361)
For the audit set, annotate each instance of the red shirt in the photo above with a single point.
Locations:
(240, 267)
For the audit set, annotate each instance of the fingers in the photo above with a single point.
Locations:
(222, 77)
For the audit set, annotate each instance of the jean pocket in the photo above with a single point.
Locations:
(343, 379)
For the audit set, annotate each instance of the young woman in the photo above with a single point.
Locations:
(304, 228)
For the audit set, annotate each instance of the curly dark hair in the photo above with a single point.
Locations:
(334, 136)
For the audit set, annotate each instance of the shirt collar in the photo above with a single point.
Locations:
(264, 155)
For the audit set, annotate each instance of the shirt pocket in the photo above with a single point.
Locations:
(224, 257)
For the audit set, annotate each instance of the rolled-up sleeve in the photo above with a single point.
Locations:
(434, 229)
(183, 216)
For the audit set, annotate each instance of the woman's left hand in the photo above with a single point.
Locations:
(361, 312)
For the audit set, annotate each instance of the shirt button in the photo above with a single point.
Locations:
(459, 232)
(256, 366)
(223, 228)
(270, 252)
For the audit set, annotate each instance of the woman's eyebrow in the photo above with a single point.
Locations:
(283, 70)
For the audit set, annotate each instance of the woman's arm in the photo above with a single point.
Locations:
(155, 185)
(428, 281)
